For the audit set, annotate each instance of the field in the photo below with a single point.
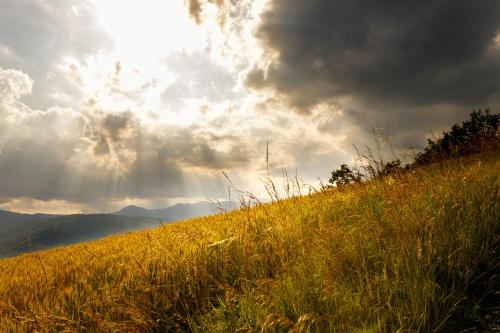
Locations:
(414, 252)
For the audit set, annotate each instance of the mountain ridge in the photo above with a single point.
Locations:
(21, 233)
(177, 211)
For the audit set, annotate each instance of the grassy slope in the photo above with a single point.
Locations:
(413, 253)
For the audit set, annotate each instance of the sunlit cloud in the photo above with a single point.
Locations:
(105, 103)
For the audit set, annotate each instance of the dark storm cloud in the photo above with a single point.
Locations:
(409, 53)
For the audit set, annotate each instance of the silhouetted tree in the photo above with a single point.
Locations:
(481, 131)
(344, 176)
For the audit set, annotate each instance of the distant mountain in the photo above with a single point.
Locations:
(20, 233)
(11, 219)
(179, 211)
(64, 230)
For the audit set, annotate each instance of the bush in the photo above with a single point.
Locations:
(480, 132)
(346, 176)
(390, 168)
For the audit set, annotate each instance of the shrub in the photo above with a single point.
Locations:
(390, 168)
(480, 132)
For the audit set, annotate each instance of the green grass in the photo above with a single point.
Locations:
(415, 252)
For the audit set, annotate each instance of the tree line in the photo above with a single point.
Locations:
(481, 132)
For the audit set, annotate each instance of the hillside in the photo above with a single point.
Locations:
(11, 219)
(414, 252)
(21, 233)
(36, 234)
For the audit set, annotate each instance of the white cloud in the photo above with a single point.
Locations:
(123, 107)
(13, 84)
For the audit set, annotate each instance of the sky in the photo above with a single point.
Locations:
(106, 103)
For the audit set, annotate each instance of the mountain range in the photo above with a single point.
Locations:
(178, 211)
(20, 233)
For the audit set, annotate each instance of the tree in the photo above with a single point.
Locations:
(480, 132)
(344, 176)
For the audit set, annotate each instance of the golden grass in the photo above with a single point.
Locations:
(396, 254)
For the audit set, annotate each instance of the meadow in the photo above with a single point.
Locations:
(410, 252)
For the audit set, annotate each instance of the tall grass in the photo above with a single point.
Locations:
(414, 252)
